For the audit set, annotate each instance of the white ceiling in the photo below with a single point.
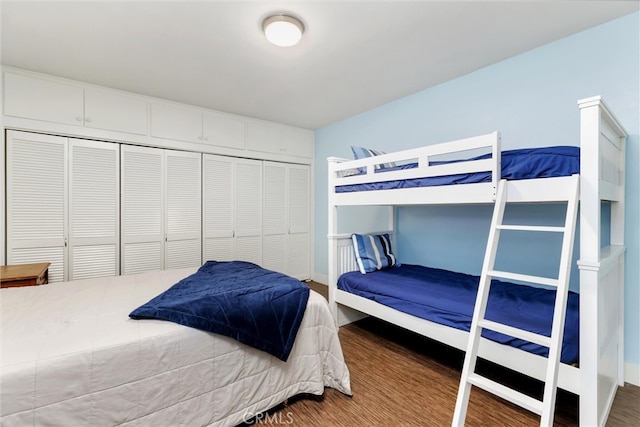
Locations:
(354, 56)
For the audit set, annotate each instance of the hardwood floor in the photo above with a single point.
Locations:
(399, 378)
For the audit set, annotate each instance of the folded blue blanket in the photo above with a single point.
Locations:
(241, 300)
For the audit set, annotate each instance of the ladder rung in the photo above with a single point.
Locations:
(524, 278)
(521, 399)
(531, 228)
(516, 333)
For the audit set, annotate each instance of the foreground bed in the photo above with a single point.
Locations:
(366, 181)
(72, 356)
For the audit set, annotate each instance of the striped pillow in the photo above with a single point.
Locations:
(361, 153)
(373, 252)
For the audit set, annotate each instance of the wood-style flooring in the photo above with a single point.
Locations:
(399, 378)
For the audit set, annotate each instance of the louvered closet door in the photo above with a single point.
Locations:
(94, 209)
(299, 221)
(218, 208)
(275, 221)
(37, 201)
(142, 209)
(248, 207)
(183, 183)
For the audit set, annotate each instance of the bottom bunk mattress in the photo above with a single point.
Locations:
(448, 298)
(72, 356)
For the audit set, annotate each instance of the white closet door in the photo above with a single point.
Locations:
(94, 209)
(275, 220)
(218, 208)
(248, 207)
(184, 209)
(37, 201)
(142, 209)
(298, 191)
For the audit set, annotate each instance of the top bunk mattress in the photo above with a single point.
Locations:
(524, 163)
(448, 298)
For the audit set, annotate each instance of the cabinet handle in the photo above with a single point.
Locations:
(200, 137)
(88, 119)
(206, 138)
(79, 118)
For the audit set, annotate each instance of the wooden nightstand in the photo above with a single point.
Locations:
(24, 275)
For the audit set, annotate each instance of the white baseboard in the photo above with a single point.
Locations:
(632, 373)
(320, 278)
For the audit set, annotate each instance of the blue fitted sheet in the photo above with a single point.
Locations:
(525, 163)
(448, 298)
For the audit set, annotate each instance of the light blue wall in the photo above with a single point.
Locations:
(531, 100)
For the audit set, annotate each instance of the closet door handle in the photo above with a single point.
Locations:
(79, 118)
(88, 119)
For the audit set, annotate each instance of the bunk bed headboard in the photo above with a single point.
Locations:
(602, 178)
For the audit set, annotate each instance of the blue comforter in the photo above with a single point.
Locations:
(448, 298)
(241, 300)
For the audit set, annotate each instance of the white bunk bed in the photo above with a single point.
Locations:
(602, 166)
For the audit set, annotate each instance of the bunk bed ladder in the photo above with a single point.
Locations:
(545, 407)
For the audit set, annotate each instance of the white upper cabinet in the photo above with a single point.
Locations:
(38, 99)
(298, 142)
(52, 101)
(193, 125)
(272, 138)
(109, 110)
(223, 130)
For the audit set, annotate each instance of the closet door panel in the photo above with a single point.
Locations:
(219, 249)
(37, 201)
(275, 252)
(275, 217)
(275, 198)
(142, 207)
(94, 209)
(218, 208)
(299, 223)
(249, 248)
(299, 262)
(54, 255)
(184, 209)
(248, 215)
(299, 199)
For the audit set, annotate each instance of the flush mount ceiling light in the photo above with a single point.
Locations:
(282, 30)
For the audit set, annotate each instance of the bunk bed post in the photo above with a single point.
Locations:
(333, 241)
(601, 270)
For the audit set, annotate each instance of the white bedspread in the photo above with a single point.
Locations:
(71, 356)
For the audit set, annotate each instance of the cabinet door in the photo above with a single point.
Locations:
(275, 217)
(37, 201)
(110, 110)
(39, 99)
(299, 203)
(175, 122)
(94, 209)
(218, 208)
(183, 246)
(297, 142)
(223, 130)
(142, 209)
(264, 137)
(248, 210)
